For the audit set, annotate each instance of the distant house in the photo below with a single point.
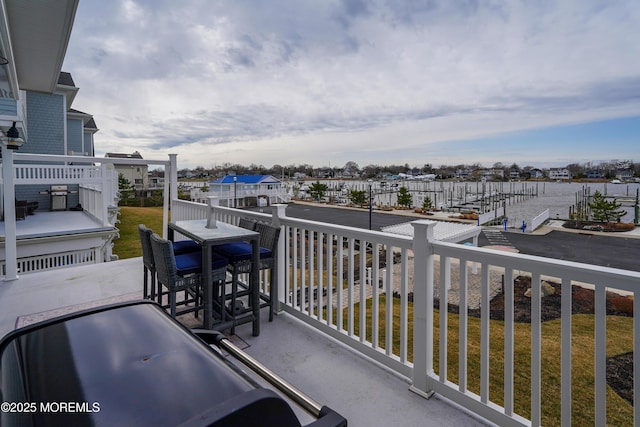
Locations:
(244, 190)
(595, 174)
(624, 174)
(536, 173)
(491, 173)
(137, 175)
(463, 174)
(559, 174)
(299, 175)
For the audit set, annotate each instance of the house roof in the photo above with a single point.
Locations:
(39, 33)
(134, 155)
(87, 119)
(65, 79)
(91, 124)
(248, 179)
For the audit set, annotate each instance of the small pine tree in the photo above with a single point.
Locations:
(127, 191)
(427, 204)
(317, 190)
(358, 197)
(404, 197)
(605, 211)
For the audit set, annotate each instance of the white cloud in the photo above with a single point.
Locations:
(318, 82)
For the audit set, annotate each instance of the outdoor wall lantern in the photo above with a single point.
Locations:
(13, 138)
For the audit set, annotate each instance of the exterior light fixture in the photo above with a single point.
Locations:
(13, 138)
(235, 191)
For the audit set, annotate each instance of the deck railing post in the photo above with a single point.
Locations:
(423, 236)
(170, 191)
(279, 212)
(104, 195)
(9, 205)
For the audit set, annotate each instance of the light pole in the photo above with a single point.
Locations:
(370, 203)
(235, 191)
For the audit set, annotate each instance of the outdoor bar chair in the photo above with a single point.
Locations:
(149, 268)
(247, 223)
(239, 257)
(148, 265)
(182, 273)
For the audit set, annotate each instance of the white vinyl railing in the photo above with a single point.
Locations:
(539, 219)
(55, 261)
(52, 174)
(488, 216)
(516, 379)
(97, 184)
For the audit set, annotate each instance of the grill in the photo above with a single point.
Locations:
(58, 194)
(132, 364)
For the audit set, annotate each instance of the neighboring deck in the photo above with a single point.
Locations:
(56, 223)
(361, 390)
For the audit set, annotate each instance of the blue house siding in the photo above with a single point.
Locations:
(88, 143)
(46, 130)
(32, 193)
(8, 107)
(45, 124)
(75, 136)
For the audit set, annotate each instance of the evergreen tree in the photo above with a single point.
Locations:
(358, 197)
(317, 190)
(404, 197)
(605, 211)
(126, 189)
(427, 204)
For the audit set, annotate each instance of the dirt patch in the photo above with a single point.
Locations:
(599, 226)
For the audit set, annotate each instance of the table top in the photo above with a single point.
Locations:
(197, 230)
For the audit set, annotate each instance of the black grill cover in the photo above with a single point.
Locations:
(126, 365)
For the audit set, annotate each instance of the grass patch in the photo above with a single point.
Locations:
(619, 341)
(128, 244)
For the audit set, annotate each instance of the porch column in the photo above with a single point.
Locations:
(10, 238)
(279, 212)
(423, 231)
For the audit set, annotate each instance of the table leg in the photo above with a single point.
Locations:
(207, 285)
(254, 280)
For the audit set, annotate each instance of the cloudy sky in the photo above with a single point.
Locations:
(324, 82)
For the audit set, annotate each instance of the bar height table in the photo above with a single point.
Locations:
(197, 231)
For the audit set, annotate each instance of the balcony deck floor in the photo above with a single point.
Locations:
(55, 223)
(329, 372)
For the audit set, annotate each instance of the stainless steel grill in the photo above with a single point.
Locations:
(58, 195)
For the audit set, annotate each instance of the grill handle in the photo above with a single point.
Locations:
(220, 340)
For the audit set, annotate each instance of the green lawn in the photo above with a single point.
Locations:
(619, 341)
(128, 245)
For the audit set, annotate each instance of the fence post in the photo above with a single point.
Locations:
(423, 236)
(278, 213)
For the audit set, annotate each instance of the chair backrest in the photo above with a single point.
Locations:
(165, 261)
(145, 242)
(247, 223)
(268, 236)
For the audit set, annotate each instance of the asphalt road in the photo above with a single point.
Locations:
(616, 252)
(341, 216)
